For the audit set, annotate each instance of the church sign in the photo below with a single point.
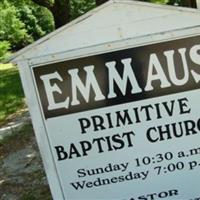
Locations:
(125, 125)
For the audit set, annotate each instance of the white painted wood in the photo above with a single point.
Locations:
(198, 4)
(114, 46)
(40, 131)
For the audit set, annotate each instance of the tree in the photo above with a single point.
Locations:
(4, 49)
(99, 2)
(60, 10)
(21, 23)
(189, 3)
(11, 28)
(38, 20)
(64, 11)
(79, 7)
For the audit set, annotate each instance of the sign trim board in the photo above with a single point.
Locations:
(115, 46)
(53, 105)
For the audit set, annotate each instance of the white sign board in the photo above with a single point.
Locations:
(198, 4)
(125, 125)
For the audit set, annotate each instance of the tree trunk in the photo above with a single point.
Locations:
(189, 3)
(61, 12)
(99, 2)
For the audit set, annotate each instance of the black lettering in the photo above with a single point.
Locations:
(110, 125)
(78, 185)
(169, 109)
(128, 136)
(98, 141)
(136, 115)
(190, 127)
(175, 131)
(109, 143)
(85, 123)
(165, 131)
(123, 119)
(89, 184)
(86, 146)
(62, 155)
(173, 192)
(183, 106)
(98, 122)
(157, 105)
(147, 111)
(117, 139)
(149, 136)
(81, 173)
(73, 151)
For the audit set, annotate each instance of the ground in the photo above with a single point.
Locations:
(22, 175)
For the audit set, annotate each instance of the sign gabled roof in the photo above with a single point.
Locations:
(113, 21)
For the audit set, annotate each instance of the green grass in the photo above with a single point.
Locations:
(11, 92)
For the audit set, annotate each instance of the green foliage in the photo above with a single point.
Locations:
(44, 19)
(21, 23)
(160, 1)
(30, 21)
(38, 20)
(11, 92)
(169, 2)
(174, 2)
(4, 48)
(11, 28)
(79, 7)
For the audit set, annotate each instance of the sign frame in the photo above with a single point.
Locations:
(34, 103)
